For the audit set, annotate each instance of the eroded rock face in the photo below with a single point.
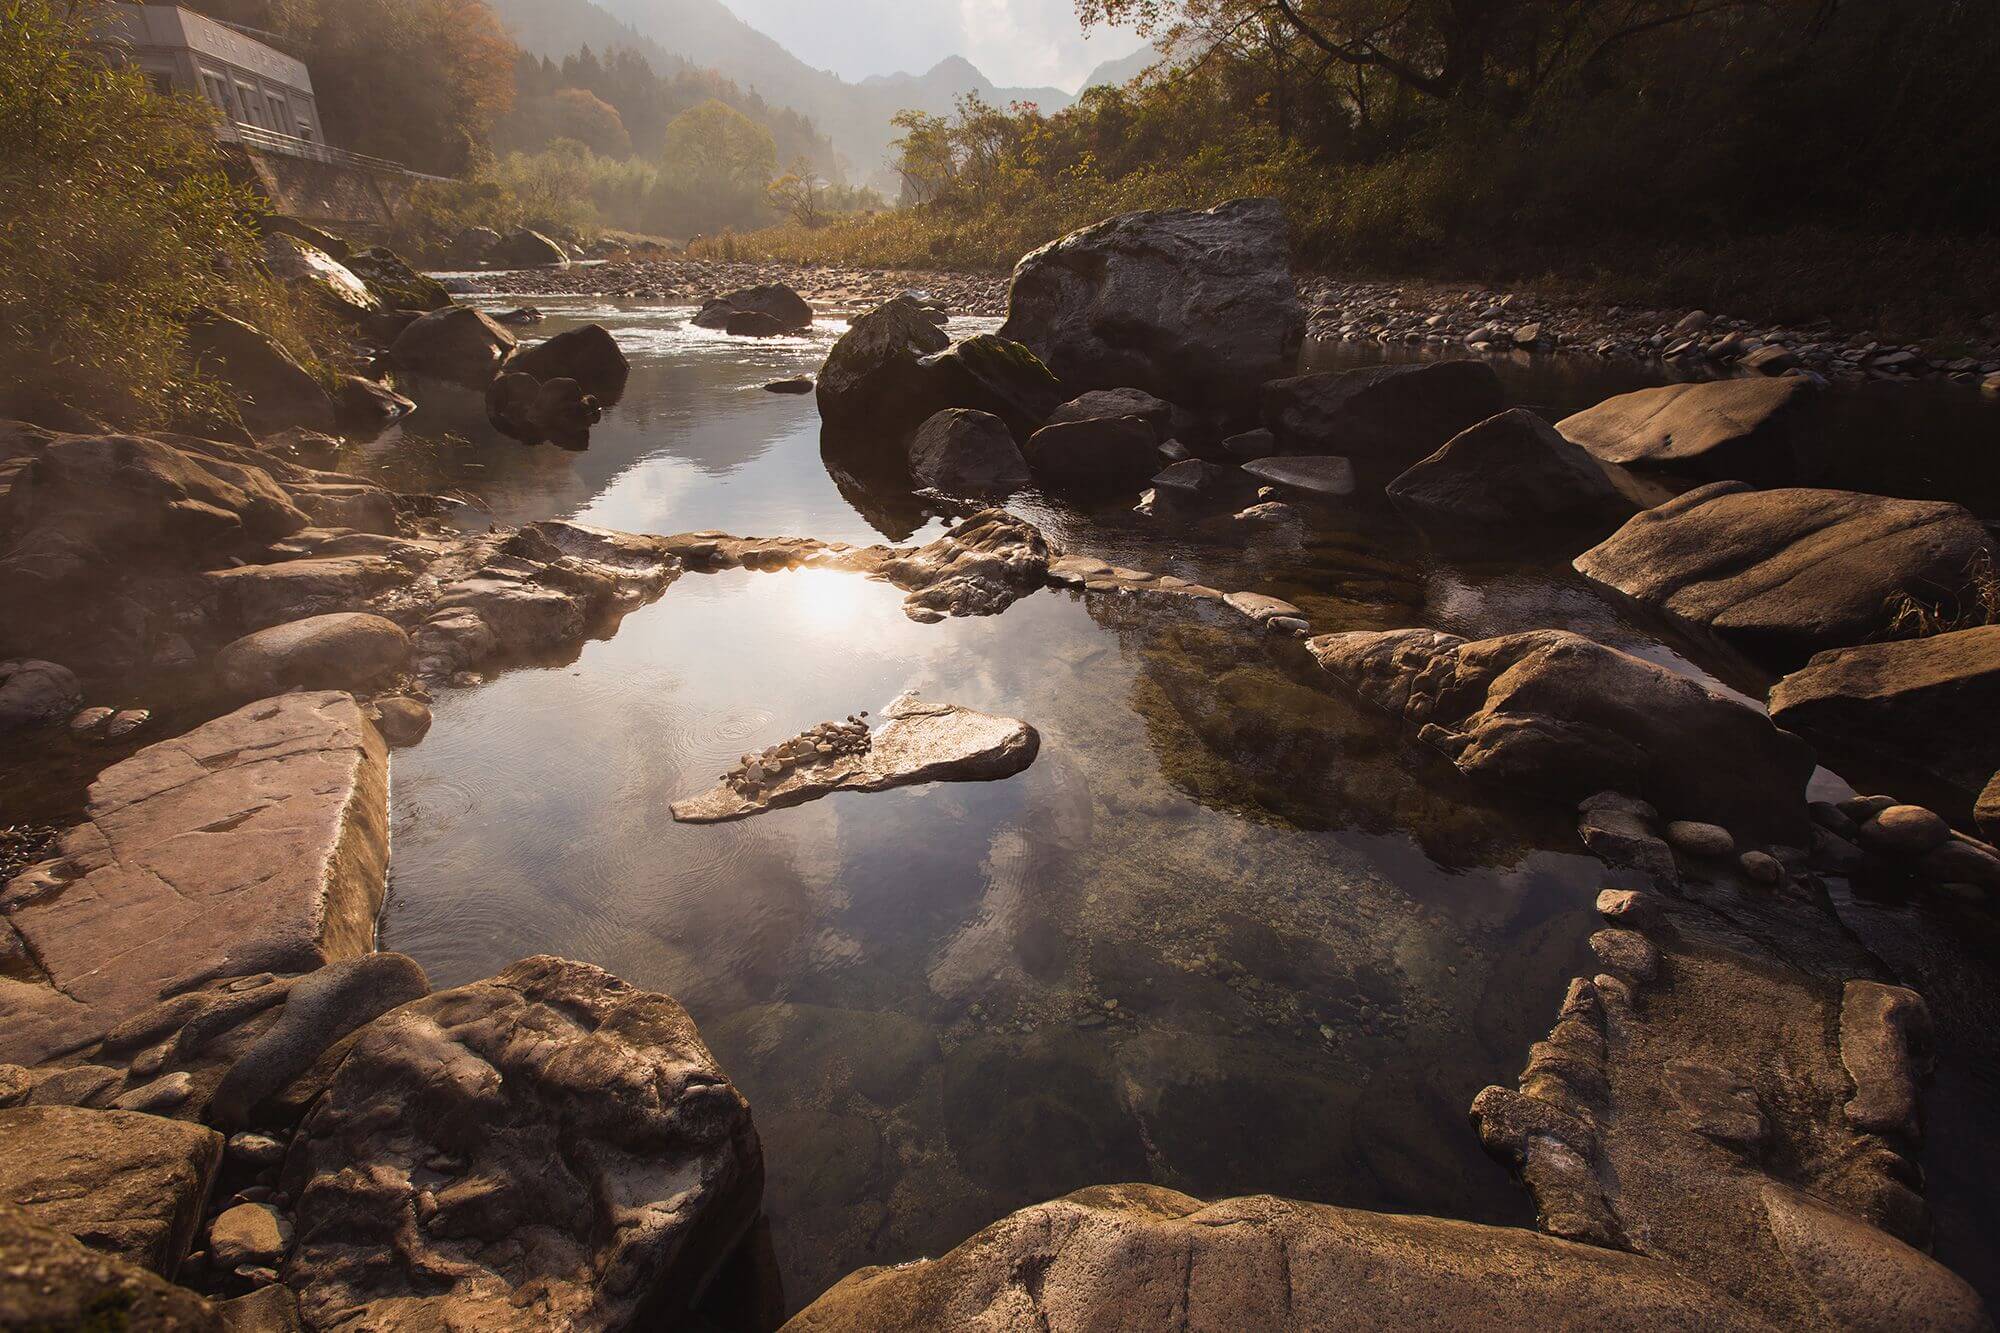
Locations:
(50, 1281)
(1787, 573)
(1512, 470)
(1141, 1257)
(963, 452)
(1740, 429)
(550, 1148)
(86, 503)
(1932, 704)
(256, 842)
(1199, 307)
(1711, 1102)
(921, 742)
(1384, 418)
(125, 1184)
(1552, 711)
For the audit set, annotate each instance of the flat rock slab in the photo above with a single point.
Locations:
(1787, 573)
(1322, 475)
(1743, 429)
(921, 742)
(123, 1183)
(258, 842)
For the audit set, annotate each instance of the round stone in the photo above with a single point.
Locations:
(1905, 830)
(1762, 867)
(1699, 839)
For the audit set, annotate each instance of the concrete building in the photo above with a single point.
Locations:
(252, 84)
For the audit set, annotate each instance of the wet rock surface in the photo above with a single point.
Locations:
(551, 1147)
(1783, 574)
(919, 742)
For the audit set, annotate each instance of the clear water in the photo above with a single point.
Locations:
(1231, 932)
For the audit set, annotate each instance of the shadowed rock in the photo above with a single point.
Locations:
(1197, 307)
(1932, 704)
(1784, 574)
(1741, 429)
(272, 390)
(457, 344)
(963, 452)
(1511, 471)
(49, 1281)
(1383, 418)
(921, 742)
(1103, 452)
(588, 355)
(1555, 712)
(549, 1148)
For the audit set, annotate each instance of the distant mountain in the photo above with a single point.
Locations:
(704, 33)
(1118, 73)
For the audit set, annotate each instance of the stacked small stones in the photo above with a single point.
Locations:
(816, 745)
(1696, 342)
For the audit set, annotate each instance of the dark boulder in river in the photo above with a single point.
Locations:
(964, 452)
(1383, 418)
(1511, 471)
(458, 345)
(1199, 307)
(894, 369)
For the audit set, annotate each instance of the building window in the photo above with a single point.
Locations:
(217, 92)
(253, 110)
(281, 115)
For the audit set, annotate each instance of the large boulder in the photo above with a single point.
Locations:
(894, 369)
(1145, 1257)
(1784, 574)
(1554, 712)
(1742, 429)
(255, 843)
(34, 693)
(253, 597)
(526, 248)
(1107, 452)
(394, 283)
(589, 355)
(782, 309)
(872, 368)
(457, 344)
(272, 391)
(1511, 471)
(963, 452)
(550, 1148)
(127, 1184)
(1382, 418)
(317, 275)
(1932, 704)
(347, 650)
(1110, 404)
(86, 503)
(1200, 307)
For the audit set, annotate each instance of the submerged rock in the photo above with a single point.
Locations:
(1783, 574)
(1555, 712)
(589, 355)
(1511, 471)
(1200, 307)
(1143, 1256)
(1932, 704)
(550, 1148)
(299, 783)
(921, 742)
(538, 412)
(1737, 429)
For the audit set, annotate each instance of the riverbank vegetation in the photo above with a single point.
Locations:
(1799, 157)
(121, 223)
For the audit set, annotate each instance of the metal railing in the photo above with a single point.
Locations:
(270, 141)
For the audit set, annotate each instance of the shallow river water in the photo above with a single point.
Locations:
(1230, 933)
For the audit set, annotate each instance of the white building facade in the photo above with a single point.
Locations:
(249, 83)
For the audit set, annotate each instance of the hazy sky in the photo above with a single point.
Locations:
(1018, 43)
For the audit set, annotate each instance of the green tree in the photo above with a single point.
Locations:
(714, 146)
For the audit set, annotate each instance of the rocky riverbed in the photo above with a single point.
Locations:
(1329, 755)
